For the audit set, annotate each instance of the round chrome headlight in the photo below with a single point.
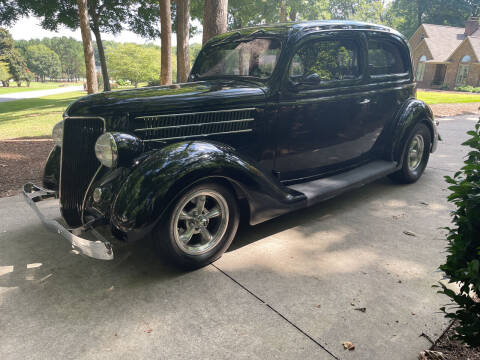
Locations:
(57, 133)
(106, 150)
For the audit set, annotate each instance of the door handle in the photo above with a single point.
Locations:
(364, 102)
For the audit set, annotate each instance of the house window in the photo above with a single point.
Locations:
(421, 68)
(463, 69)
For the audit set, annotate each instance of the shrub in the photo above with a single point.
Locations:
(122, 82)
(154, 83)
(463, 260)
(444, 87)
(468, 88)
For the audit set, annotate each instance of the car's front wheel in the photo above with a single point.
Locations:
(199, 226)
(415, 156)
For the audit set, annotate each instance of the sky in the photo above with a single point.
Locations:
(29, 28)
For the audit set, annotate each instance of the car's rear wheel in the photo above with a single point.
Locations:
(199, 226)
(415, 156)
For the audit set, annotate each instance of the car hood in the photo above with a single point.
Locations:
(187, 97)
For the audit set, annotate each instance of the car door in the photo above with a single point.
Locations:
(323, 106)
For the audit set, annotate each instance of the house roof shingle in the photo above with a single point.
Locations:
(443, 40)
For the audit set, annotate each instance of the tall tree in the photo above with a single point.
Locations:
(106, 16)
(214, 18)
(183, 35)
(43, 61)
(91, 73)
(166, 42)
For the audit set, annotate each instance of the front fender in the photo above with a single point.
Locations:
(51, 171)
(158, 180)
(413, 112)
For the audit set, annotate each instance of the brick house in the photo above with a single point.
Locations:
(446, 56)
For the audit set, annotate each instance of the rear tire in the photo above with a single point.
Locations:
(415, 155)
(198, 227)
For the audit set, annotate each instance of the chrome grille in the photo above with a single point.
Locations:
(191, 125)
(78, 164)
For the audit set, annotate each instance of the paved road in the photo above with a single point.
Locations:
(288, 288)
(38, 93)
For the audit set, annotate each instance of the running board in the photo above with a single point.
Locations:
(329, 187)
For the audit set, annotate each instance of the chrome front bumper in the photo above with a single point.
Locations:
(99, 249)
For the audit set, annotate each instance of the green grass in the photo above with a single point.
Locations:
(435, 97)
(35, 86)
(33, 117)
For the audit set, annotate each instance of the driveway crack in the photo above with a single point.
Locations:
(276, 311)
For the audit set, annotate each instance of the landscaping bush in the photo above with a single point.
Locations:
(121, 82)
(463, 260)
(468, 88)
(154, 83)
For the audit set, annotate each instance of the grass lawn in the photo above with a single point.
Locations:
(436, 97)
(33, 117)
(35, 86)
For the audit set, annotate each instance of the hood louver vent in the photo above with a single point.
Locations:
(191, 125)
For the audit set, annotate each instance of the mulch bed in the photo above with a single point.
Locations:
(21, 161)
(447, 348)
(442, 110)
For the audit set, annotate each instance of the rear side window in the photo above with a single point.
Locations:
(385, 58)
(330, 60)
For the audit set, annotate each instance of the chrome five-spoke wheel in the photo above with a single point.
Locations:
(199, 226)
(415, 152)
(201, 222)
(415, 155)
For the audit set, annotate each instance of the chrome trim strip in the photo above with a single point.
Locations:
(193, 113)
(100, 249)
(199, 135)
(201, 124)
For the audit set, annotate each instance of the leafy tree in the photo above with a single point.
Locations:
(133, 62)
(16, 62)
(43, 61)
(70, 52)
(5, 75)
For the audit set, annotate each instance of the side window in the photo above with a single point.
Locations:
(385, 58)
(326, 61)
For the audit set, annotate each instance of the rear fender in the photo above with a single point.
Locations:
(157, 181)
(413, 112)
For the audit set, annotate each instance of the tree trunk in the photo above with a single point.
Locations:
(183, 35)
(214, 18)
(166, 42)
(92, 85)
(101, 53)
(283, 10)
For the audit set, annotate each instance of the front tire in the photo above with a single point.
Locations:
(199, 226)
(415, 155)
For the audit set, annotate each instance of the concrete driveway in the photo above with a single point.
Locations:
(38, 93)
(291, 288)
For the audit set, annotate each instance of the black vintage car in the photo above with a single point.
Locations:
(275, 117)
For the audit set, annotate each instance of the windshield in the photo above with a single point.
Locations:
(255, 58)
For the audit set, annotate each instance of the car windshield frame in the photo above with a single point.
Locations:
(207, 50)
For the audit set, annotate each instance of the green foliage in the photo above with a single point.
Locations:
(133, 62)
(5, 75)
(17, 66)
(468, 88)
(43, 61)
(463, 259)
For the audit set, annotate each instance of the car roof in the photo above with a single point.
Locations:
(300, 28)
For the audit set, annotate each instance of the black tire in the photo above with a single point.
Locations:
(412, 171)
(170, 234)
